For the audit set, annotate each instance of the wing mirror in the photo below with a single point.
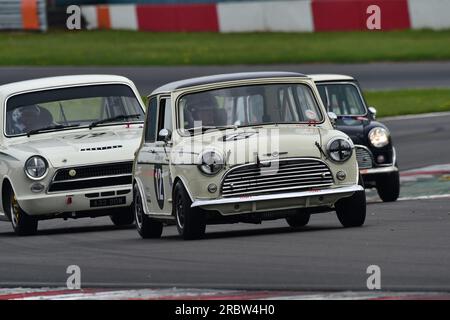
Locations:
(373, 111)
(165, 134)
(333, 118)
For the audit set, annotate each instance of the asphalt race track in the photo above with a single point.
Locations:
(371, 76)
(409, 240)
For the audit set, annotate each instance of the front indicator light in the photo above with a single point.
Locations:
(341, 175)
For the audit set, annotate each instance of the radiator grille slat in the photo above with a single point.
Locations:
(283, 175)
(364, 158)
(96, 176)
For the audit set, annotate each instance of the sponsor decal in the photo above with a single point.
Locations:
(159, 185)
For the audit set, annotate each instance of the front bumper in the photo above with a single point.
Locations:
(379, 170)
(278, 201)
(56, 203)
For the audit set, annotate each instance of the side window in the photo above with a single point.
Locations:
(150, 131)
(165, 115)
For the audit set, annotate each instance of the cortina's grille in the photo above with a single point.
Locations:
(276, 176)
(364, 158)
(95, 176)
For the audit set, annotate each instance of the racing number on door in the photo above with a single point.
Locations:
(159, 185)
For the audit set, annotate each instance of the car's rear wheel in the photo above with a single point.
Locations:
(147, 227)
(351, 211)
(388, 187)
(298, 220)
(123, 216)
(191, 222)
(22, 223)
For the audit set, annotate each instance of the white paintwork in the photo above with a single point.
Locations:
(63, 148)
(284, 16)
(330, 77)
(58, 82)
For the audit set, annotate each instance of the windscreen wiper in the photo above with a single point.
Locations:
(53, 127)
(112, 119)
(204, 128)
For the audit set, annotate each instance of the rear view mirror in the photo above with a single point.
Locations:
(165, 134)
(373, 111)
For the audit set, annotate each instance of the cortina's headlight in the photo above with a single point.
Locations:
(339, 149)
(379, 137)
(210, 162)
(36, 167)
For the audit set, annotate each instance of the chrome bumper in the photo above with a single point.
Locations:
(277, 196)
(379, 170)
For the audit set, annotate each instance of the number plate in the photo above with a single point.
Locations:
(108, 202)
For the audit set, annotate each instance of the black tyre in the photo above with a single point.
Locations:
(123, 216)
(190, 221)
(147, 227)
(298, 220)
(351, 211)
(388, 187)
(22, 223)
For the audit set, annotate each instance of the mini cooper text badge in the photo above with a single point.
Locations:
(72, 173)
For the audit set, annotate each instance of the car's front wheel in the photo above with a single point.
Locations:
(147, 227)
(298, 220)
(351, 211)
(388, 187)
(22, 223)
(191, 222)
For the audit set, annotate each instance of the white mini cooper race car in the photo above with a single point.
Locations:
(243, 147)
(67, 147)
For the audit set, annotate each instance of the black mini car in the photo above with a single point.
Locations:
(375, 152)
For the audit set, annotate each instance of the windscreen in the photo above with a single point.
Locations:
(342, 99)
(249, 106)
(78, 106)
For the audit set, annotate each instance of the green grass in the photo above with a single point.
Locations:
(414, 101)
(145, 48)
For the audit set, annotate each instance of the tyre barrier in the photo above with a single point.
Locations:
(269, 16)
(23, 15)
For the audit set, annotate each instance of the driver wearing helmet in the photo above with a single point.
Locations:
(27, 118)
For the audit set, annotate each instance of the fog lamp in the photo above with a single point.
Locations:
(37, 187)
(381, 159)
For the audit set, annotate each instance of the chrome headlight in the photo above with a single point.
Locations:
(339, 149)
(210, 162)
(36, 167)
(379, 137)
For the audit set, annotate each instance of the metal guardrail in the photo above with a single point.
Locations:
(11, 15)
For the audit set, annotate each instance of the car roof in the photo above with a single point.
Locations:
(192, 82)
(62, 81)
(330, 77)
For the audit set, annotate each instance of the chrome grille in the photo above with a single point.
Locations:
(96, 176)
(364, 158)
(276, 176)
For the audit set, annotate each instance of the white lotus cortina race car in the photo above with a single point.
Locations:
(67, 149)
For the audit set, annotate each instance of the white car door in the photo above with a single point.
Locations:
(152, 166)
